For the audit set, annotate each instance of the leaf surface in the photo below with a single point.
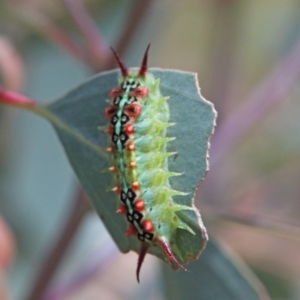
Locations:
(76, 117)
(215, 275)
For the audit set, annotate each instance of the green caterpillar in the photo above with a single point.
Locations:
(139, 117)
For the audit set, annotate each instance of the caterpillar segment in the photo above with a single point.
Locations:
(138, 118)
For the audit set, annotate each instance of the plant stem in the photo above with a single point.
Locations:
(97, 47)
(267, 224)
(56, 253)
(41, 24)
(136, 16)
(88, 270)
(11, 65)
(54, 33)
(226, 27)
(61, 38)
(271, 92)
(11, 98)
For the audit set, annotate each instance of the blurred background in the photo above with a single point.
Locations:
(247, 56)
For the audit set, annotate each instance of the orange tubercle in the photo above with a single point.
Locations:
(135, 185)
(116, 189)
(112, 169)
(132, 164)
(130, 147)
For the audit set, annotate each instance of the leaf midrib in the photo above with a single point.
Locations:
(57, 122)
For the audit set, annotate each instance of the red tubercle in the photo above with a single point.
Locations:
(122, 210)
(148, 225)
(129, 129)
(140, 92)
(15, 99)
(167, 250)
(109, 130)
(130, 146)
(132, 110)
(139, 205)
(110, 111)
(130, 231)
(115, 92)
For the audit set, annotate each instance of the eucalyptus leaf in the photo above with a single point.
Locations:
(76, 118)
(215, 275)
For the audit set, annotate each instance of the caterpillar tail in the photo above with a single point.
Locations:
(142, 253)
(165, 247)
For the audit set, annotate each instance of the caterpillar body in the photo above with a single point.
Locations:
(138, 119)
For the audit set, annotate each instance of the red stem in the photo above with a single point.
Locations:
(135, 18)
(43, 25)
(15, 99)
(226, 26)
(271, 92)
(268, 223)
(57, 252)
(61, 38)
(96, 45)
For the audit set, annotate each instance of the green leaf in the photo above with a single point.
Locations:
(76, 117)
(215, 275)
(276, 284)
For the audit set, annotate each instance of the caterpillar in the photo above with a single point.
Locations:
(138, 120)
